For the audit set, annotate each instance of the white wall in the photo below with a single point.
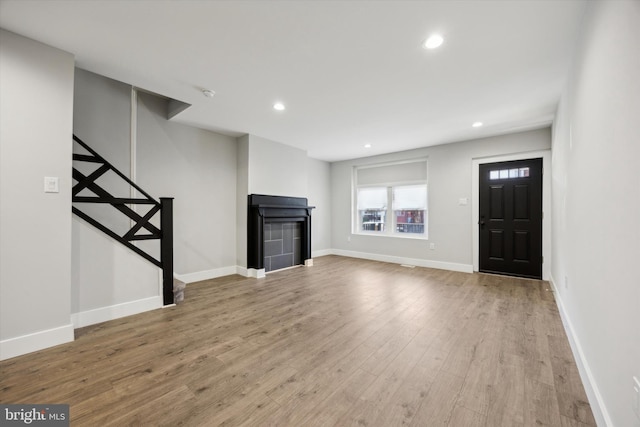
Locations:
(102, 119)
(102, 116)
(276, 169)
(449, 179)
(242, 191)
(198, 168)
(36, 111)
(319, 195)
(210, 176)
(268, 167)
(596, 208)
(108, 279)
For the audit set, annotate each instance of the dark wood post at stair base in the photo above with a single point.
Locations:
(166, 248)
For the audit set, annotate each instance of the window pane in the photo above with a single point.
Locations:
(410, 197)
(509, 173)
(409, 208)
(372, 198)
(372, 219)
(409, 205)
(410, 221)
(372, 208)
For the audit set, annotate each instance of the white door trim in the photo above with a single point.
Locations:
(546, 203)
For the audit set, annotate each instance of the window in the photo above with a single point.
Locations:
(509, 173)
(372, 208)
(409, 208)
(391, 199)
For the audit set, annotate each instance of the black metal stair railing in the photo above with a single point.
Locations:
(141, 223)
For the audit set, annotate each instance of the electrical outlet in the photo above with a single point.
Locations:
(348, 238)
(636, 396)
(432, 246)
(566, 282)
(51, 184)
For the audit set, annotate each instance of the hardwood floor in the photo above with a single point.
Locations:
(346, 342)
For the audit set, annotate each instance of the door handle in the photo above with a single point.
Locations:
(481, 223)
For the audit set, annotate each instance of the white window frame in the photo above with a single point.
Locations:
(390, 225)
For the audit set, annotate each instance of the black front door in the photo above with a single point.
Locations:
(511, 218)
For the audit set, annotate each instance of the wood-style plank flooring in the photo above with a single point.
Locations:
(346, 342)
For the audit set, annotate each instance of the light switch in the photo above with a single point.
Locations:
(51, 184)
(463, 201)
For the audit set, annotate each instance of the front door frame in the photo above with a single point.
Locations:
(546, 203)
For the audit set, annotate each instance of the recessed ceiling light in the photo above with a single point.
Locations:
(367, 145)
(278, 106)
(433, 41)
(477, 124)
(208, 93)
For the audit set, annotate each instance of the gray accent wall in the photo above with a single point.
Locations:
(449, 169)
(36, 113)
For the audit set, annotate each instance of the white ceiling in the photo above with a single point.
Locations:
(349, 72)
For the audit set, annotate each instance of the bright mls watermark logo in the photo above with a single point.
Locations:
(34, 415)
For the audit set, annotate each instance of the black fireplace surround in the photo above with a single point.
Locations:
(272, 209)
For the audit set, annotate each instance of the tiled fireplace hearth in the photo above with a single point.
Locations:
(278, 232)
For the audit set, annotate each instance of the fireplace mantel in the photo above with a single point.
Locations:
(264, 209)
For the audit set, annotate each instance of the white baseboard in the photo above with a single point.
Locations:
(29, 343)
(251, 272)
(322, 252)
(598, 407)
(103, 314)
(206, 275)
(465, 268)
(255, 273)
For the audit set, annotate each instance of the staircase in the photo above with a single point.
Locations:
(90, 167)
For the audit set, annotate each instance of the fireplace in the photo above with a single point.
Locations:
(278, 232)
